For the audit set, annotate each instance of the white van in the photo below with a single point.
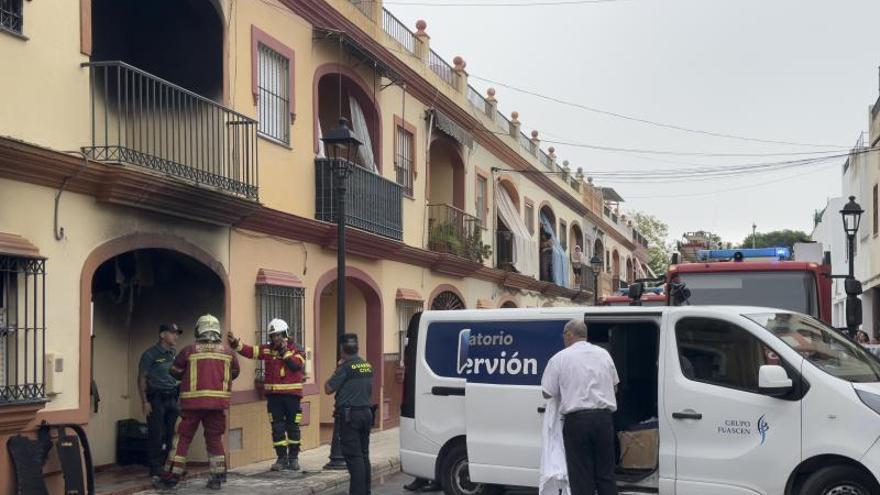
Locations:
(743, 400)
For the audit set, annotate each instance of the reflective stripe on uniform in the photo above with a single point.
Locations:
(298, 419)
(280, 443)
(206, 393)
(283, 386)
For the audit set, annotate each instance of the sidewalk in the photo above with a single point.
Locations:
(256, 479)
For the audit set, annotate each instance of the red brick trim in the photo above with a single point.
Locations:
(257, 37)
(409, 295)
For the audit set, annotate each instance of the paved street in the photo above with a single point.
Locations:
(393, 485)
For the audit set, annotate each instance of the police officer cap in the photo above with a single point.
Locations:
(349, 339)
(169, 327)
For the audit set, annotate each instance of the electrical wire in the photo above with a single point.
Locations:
(505, 4)
(649, 122)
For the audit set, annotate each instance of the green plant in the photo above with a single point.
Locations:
(444, 238)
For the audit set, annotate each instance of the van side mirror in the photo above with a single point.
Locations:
(774, 381)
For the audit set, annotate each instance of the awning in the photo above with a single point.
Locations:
(611, 195)
(266, 276)
(453, 130)
(409, 295)
(17, 246)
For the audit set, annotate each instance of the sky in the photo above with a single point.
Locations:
(797, 71)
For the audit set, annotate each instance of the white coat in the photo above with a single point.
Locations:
(554, 473)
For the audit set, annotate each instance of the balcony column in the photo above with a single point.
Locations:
(491, 103)
(424, 47)
(536, 143)
(461, 77)
(551, 154)
(514, 125)
(376, 11)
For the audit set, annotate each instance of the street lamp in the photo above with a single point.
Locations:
(342, 145)
(852, 215)
(595, 267)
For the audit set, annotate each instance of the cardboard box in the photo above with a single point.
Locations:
(639, 449)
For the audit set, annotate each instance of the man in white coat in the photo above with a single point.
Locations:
(583, 378)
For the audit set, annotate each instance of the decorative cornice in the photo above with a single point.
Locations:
(138, 188)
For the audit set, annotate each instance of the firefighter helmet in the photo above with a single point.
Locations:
(277, 326)
(208, 328)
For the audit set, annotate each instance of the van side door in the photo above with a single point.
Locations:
(730, 439)
(503, 401)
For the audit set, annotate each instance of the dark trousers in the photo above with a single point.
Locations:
(160, 427)
(355, 433)
(285, 416)
(589, 452)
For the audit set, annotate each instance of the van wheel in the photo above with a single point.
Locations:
(839, 480)
(456, 479)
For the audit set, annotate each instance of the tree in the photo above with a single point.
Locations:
(777, 238)
(656, 232)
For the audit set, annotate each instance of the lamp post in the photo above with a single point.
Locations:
(341, 145)
(754, 239)
(595, 267)
(852, 215)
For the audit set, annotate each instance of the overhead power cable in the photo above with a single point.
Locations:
(503, 4)
(650, 122)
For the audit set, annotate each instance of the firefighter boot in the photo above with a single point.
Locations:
(165, 482)
(292, 458)
(279, 465)
(214, 482)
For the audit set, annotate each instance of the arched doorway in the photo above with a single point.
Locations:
(131, 290)
(363, 316)
(599, 250)
(355, 97)
(447, 300)
(615, 270)
(181, 42)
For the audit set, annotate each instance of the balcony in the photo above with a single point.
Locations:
(372, 203)
(452, 231)
(140, 119)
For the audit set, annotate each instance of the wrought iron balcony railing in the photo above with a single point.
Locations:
(450, 230)
(140, 119)
(372, 202)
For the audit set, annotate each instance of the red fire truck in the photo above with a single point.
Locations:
(755, 277)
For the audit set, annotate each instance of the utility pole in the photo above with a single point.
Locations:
(754, 239)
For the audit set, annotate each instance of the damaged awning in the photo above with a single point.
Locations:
(358, 51)
(450, 128)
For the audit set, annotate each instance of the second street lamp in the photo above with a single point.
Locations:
(852, 215)
(595, 267)
(342, 146)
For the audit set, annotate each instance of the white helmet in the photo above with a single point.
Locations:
(208, 328)
(277, 326)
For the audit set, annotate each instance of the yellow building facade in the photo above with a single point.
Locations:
(161, 160)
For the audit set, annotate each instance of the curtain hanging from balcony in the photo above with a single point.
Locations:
(321, 152)
(560, 260)
(525, 251)
(359, 123)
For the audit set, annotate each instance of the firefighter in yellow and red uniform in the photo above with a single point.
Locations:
(284, 375)
(205, 370)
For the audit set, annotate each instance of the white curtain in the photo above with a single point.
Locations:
(560, 260)
(321, 152)
(525, 252)
(359, 126)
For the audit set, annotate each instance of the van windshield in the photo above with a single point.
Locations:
(794, 291)
(822, 346)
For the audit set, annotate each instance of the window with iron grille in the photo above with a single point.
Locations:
(22, 329)
(403, 160)
(287, 303)
(405, 311)
(530, 217)
(11, 15)
(273, 84)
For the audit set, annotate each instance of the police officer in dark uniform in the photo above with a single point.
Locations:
(159, 395)
(353, 385)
